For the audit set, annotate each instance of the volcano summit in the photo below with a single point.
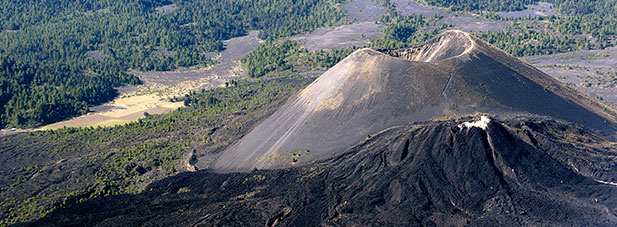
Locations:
(371, 90)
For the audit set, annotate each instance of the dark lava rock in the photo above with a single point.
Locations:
(515, 172)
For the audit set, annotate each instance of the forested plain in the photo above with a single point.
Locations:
(73, 53)
(47, 74)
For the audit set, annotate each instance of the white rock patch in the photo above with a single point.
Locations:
(482, 123)
(606, 182)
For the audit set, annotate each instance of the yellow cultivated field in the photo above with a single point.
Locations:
(130, 108)
(153, 99)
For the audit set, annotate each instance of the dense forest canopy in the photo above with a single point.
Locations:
(34, 93)
(128, 34)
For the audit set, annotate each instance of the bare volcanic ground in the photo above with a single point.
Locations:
(410, 7)
(523, 171)
(364, 13)
(358, 34)
(592, 71)
(541, 9)
(372, 90)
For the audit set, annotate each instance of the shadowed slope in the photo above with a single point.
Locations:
(515, 85)
(372, 90)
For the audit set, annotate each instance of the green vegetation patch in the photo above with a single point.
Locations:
(276, 58)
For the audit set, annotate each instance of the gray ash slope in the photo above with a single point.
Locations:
(519, 171)
(451, 75)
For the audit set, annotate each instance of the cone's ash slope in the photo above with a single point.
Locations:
(510, 172)
(372, 90)
(363, 94)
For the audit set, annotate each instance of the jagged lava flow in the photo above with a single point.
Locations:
(371, 90)
(469, 171)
